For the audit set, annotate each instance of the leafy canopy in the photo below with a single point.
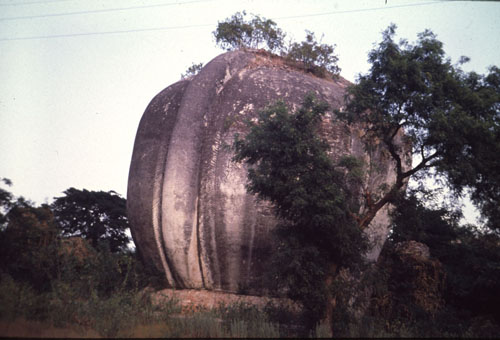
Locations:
(315, 57)
(310, 55)
(449, 118)
(6, 199)
(289, 166)
(236, 32)
(192, 70)
(94, 215)
(28, 244)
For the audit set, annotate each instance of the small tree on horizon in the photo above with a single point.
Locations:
(309, 55)
(192, 70)
(93, 215)
(316, 58)
(235, 33)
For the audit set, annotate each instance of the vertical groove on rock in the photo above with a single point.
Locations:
(171, 273)
(198, 239)
(156, 219)
(249, 204)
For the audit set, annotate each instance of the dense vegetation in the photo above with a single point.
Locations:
(68, 265)
(63, 281)
(290, 167)
(261, 33)
(417, 104)
(449, 118)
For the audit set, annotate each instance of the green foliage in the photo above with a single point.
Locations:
(234, 321)
(28, 245)
(109, 316)
(102, 271)
(44, 277)
(469, 140)
(309, 55)
(65, 282)
(471, 260)
(93, 215)
(101, 291)
(236, 32)
(192, 70)
(289, 166)
(19, 299)
(6, 199)
(412, 220)
(450, 118)
(314, 57)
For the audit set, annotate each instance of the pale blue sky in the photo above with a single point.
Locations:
(76, 75)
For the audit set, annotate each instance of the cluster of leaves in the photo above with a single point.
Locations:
(316, 58)
(68, 262)
(93, 215)
(28, 245)
(471, 257)
(450, 118)
(5, 200)
(470, 261)
(289, 166)
(468, 136)
(235, 32)
(309, 55)
(192, 70)
(418, 105)
(80, 237)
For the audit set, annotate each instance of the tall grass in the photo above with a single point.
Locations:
(129, 314)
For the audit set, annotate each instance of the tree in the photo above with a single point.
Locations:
(413, 99)
(6, 201)
(236, 32)
(192, 70)
(315, 57)
(289, 166)
(94, 215)
(28, 239)
(311, 56)
(28, 244)
(449, 118)
(471, 258)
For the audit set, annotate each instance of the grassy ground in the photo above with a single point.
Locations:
(62, 313)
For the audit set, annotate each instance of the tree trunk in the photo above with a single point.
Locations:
(331, 300)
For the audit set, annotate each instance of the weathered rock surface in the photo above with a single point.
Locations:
(415, 281)
(190, 214)
(192, 300)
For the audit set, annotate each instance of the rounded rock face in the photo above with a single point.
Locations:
(191, 216)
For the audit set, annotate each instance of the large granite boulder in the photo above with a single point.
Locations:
(191, 216)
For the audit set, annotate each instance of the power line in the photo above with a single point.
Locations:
(107, 32)
(166, 28)
(51, 15)
(358, 10)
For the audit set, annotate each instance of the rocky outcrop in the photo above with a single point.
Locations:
(190, 214)
(414, 282)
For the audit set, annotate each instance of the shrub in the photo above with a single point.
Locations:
(314, 57)
(192, 70)
(236, 32)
